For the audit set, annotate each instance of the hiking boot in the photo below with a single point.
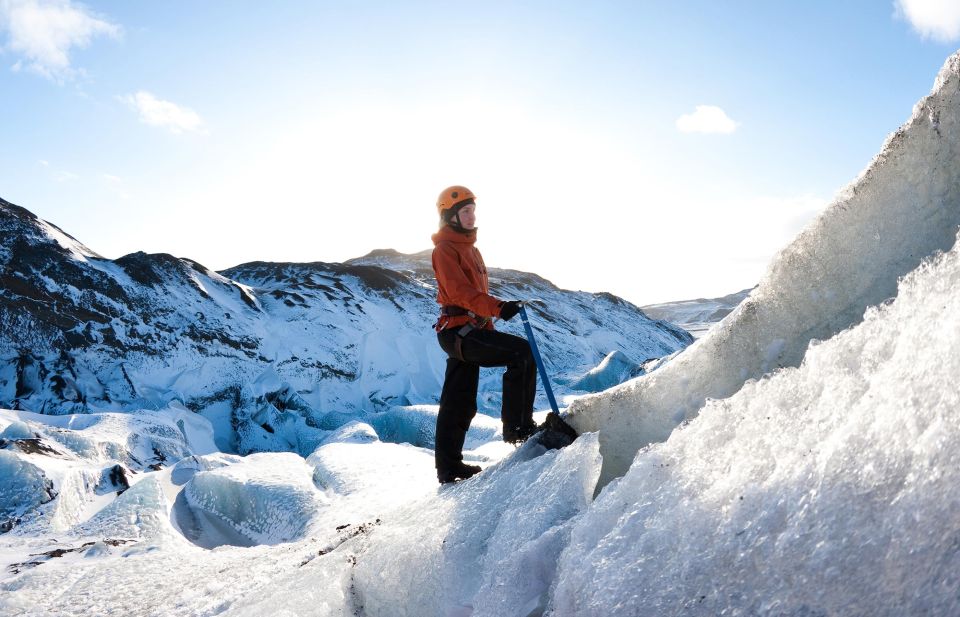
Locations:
(556, 432)
(519, 434)
(461, 471)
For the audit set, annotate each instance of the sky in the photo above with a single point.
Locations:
(659, 151)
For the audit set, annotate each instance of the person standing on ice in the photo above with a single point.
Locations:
(465, 332)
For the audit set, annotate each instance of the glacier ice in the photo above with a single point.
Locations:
(828, 489)
(23, 488)
(17, 430)
(76, 455)
(345, 468)
(352, 432)
(267, 498)
(904, 207)
(615, 369)
(139, 513)
(486, 546)
(417, 424)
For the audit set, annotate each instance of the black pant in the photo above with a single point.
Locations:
(458, 400)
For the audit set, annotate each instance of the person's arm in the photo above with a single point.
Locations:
(456, 285)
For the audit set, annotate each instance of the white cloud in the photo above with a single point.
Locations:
(157, 112)
(43, 33)
(66, 176)
(706, 119)
(44, 163)
(937, 19)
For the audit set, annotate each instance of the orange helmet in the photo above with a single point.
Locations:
(453, 196)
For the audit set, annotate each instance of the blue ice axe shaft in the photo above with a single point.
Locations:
(538, 359)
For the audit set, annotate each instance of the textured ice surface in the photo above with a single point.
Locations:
(17, 430)
(352, 432)
(349, 467)
(275, 418)
(417, 425)
(487, 546)
(136, 439)
(828, 489)
(139, 513)
(82, 457)
(904, 207)
(615, 369)
(23, 487)
(268, 498)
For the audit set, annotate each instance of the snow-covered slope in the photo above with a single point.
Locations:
(828, 489)
(274, 354)
(902, 209)
(696, 316)
(357, 528)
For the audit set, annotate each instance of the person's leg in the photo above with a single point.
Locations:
(469, 385)
(458, 406)
(489, 348)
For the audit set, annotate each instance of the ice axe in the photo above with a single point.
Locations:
(536, 357)
(556, 433)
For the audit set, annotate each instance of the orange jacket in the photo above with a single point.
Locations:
(461, 278)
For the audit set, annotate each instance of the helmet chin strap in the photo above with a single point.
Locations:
(457, 225)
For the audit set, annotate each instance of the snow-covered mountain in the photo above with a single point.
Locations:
(274, 354)
(802, 458)
(699, 315)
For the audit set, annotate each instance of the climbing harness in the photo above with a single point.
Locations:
(476, 323)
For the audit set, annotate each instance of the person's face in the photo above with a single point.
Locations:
(468, 216)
